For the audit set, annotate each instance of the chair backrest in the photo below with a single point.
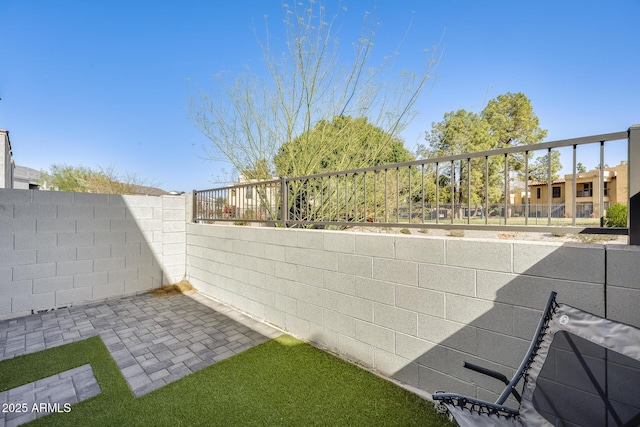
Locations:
(585, 371)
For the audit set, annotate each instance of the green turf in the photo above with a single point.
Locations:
(281, 382)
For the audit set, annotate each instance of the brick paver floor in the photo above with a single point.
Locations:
(153, 340)
(55, 393)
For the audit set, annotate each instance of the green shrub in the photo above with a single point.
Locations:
(616, 216)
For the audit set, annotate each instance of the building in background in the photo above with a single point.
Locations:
(25, 178)
(253, 199)
(586, 196)
(6, 160)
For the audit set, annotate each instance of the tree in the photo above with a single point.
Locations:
(249, 117)
(512, 122)
(463, 132)
(539, 170)
(506, 121)
(260, 170)
(580, 168)
(66, 178)
(361, 145)
(81, 179)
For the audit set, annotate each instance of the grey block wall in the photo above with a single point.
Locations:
(59, 249)
(411, 307)
(623, 284)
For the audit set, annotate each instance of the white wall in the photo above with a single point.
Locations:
(59, 249)
(411, 307)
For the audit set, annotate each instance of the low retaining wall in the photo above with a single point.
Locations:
(58, 249)
(410, 307)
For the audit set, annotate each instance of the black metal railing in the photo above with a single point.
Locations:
(470, 191)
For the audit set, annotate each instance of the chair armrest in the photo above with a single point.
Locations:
(494, 374)
(489, 372)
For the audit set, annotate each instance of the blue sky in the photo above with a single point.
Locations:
(104, 83)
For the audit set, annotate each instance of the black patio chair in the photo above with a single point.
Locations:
(580, 370)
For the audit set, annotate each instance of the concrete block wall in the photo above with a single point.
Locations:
(623, 284)
(59, 249)
(411, 307)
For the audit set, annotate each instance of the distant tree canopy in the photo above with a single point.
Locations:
(507, 120)
(580, 168)
(538, 171)
(512, 121)
(340, 144)
(81, 179)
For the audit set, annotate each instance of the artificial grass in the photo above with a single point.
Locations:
(282, 382)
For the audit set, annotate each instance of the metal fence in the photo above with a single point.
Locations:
(469, 191)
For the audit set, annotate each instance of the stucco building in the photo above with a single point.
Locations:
(6, 160)
(586, 196)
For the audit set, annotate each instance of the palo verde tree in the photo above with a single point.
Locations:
(251, 117)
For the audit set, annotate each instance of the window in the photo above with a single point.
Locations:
(538, 192)
(606, 189)
(556, 192)
(586, 190)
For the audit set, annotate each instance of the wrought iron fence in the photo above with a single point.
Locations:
(481, 190)
(253, 201)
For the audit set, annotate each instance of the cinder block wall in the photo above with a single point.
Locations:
(59, 249)
(411, 307)
(623, 284)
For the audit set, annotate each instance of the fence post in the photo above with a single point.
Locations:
(284, 201)
(633, 168)
(194, 206)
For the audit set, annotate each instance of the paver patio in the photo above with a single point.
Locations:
(153, 340)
